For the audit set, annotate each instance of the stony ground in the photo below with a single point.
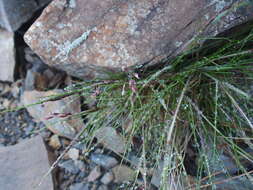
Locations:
(75, 171)
(99, 169)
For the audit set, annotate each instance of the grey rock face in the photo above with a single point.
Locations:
(89, 38)
(13, 13)
(21, 169)
(7, 56)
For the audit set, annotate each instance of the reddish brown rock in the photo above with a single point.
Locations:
(86, 38)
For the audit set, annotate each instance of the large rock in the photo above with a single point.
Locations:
(13, 13)
(59, 116)
(88, 38)
(24, 165)
(7, 56)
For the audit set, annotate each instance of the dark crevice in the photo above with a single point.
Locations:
(21, 64)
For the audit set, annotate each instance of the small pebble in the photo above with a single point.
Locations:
(54, 142)
(73, 153)
(103, 187)
(104, 160)
(123, 174)
(79, 186)
(94, 174)
(107, 178)
(69, 166)
(80, 164)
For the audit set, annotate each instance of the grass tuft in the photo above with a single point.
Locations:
(198, 107)
(198, 102)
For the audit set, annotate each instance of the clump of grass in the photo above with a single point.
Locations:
(198, 100)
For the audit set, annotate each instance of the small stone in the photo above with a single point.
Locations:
(73, 153)
(16, 88)
(157, 175)
(65, 142)
(80, 164)
(104, 160)
(57, 114)
(94, 186)
(134, 160)
(109, 137)
(41, 77)
(79, 186)
(107, 178)
(69, 166)
(5, 87)
(98, 151)
(24, 165)
(94, 174)
(102, 187)
(7, 55)
(123, 174)
(6, 103)
(80, 146)
(218, 161)
(28, 130)
(54, 142)
(46, 134)
(240, 183)
(127, 124)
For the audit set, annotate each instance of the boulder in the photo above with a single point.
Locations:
(13, 13)
(88, 39)
(7, 56)
(21, 169)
